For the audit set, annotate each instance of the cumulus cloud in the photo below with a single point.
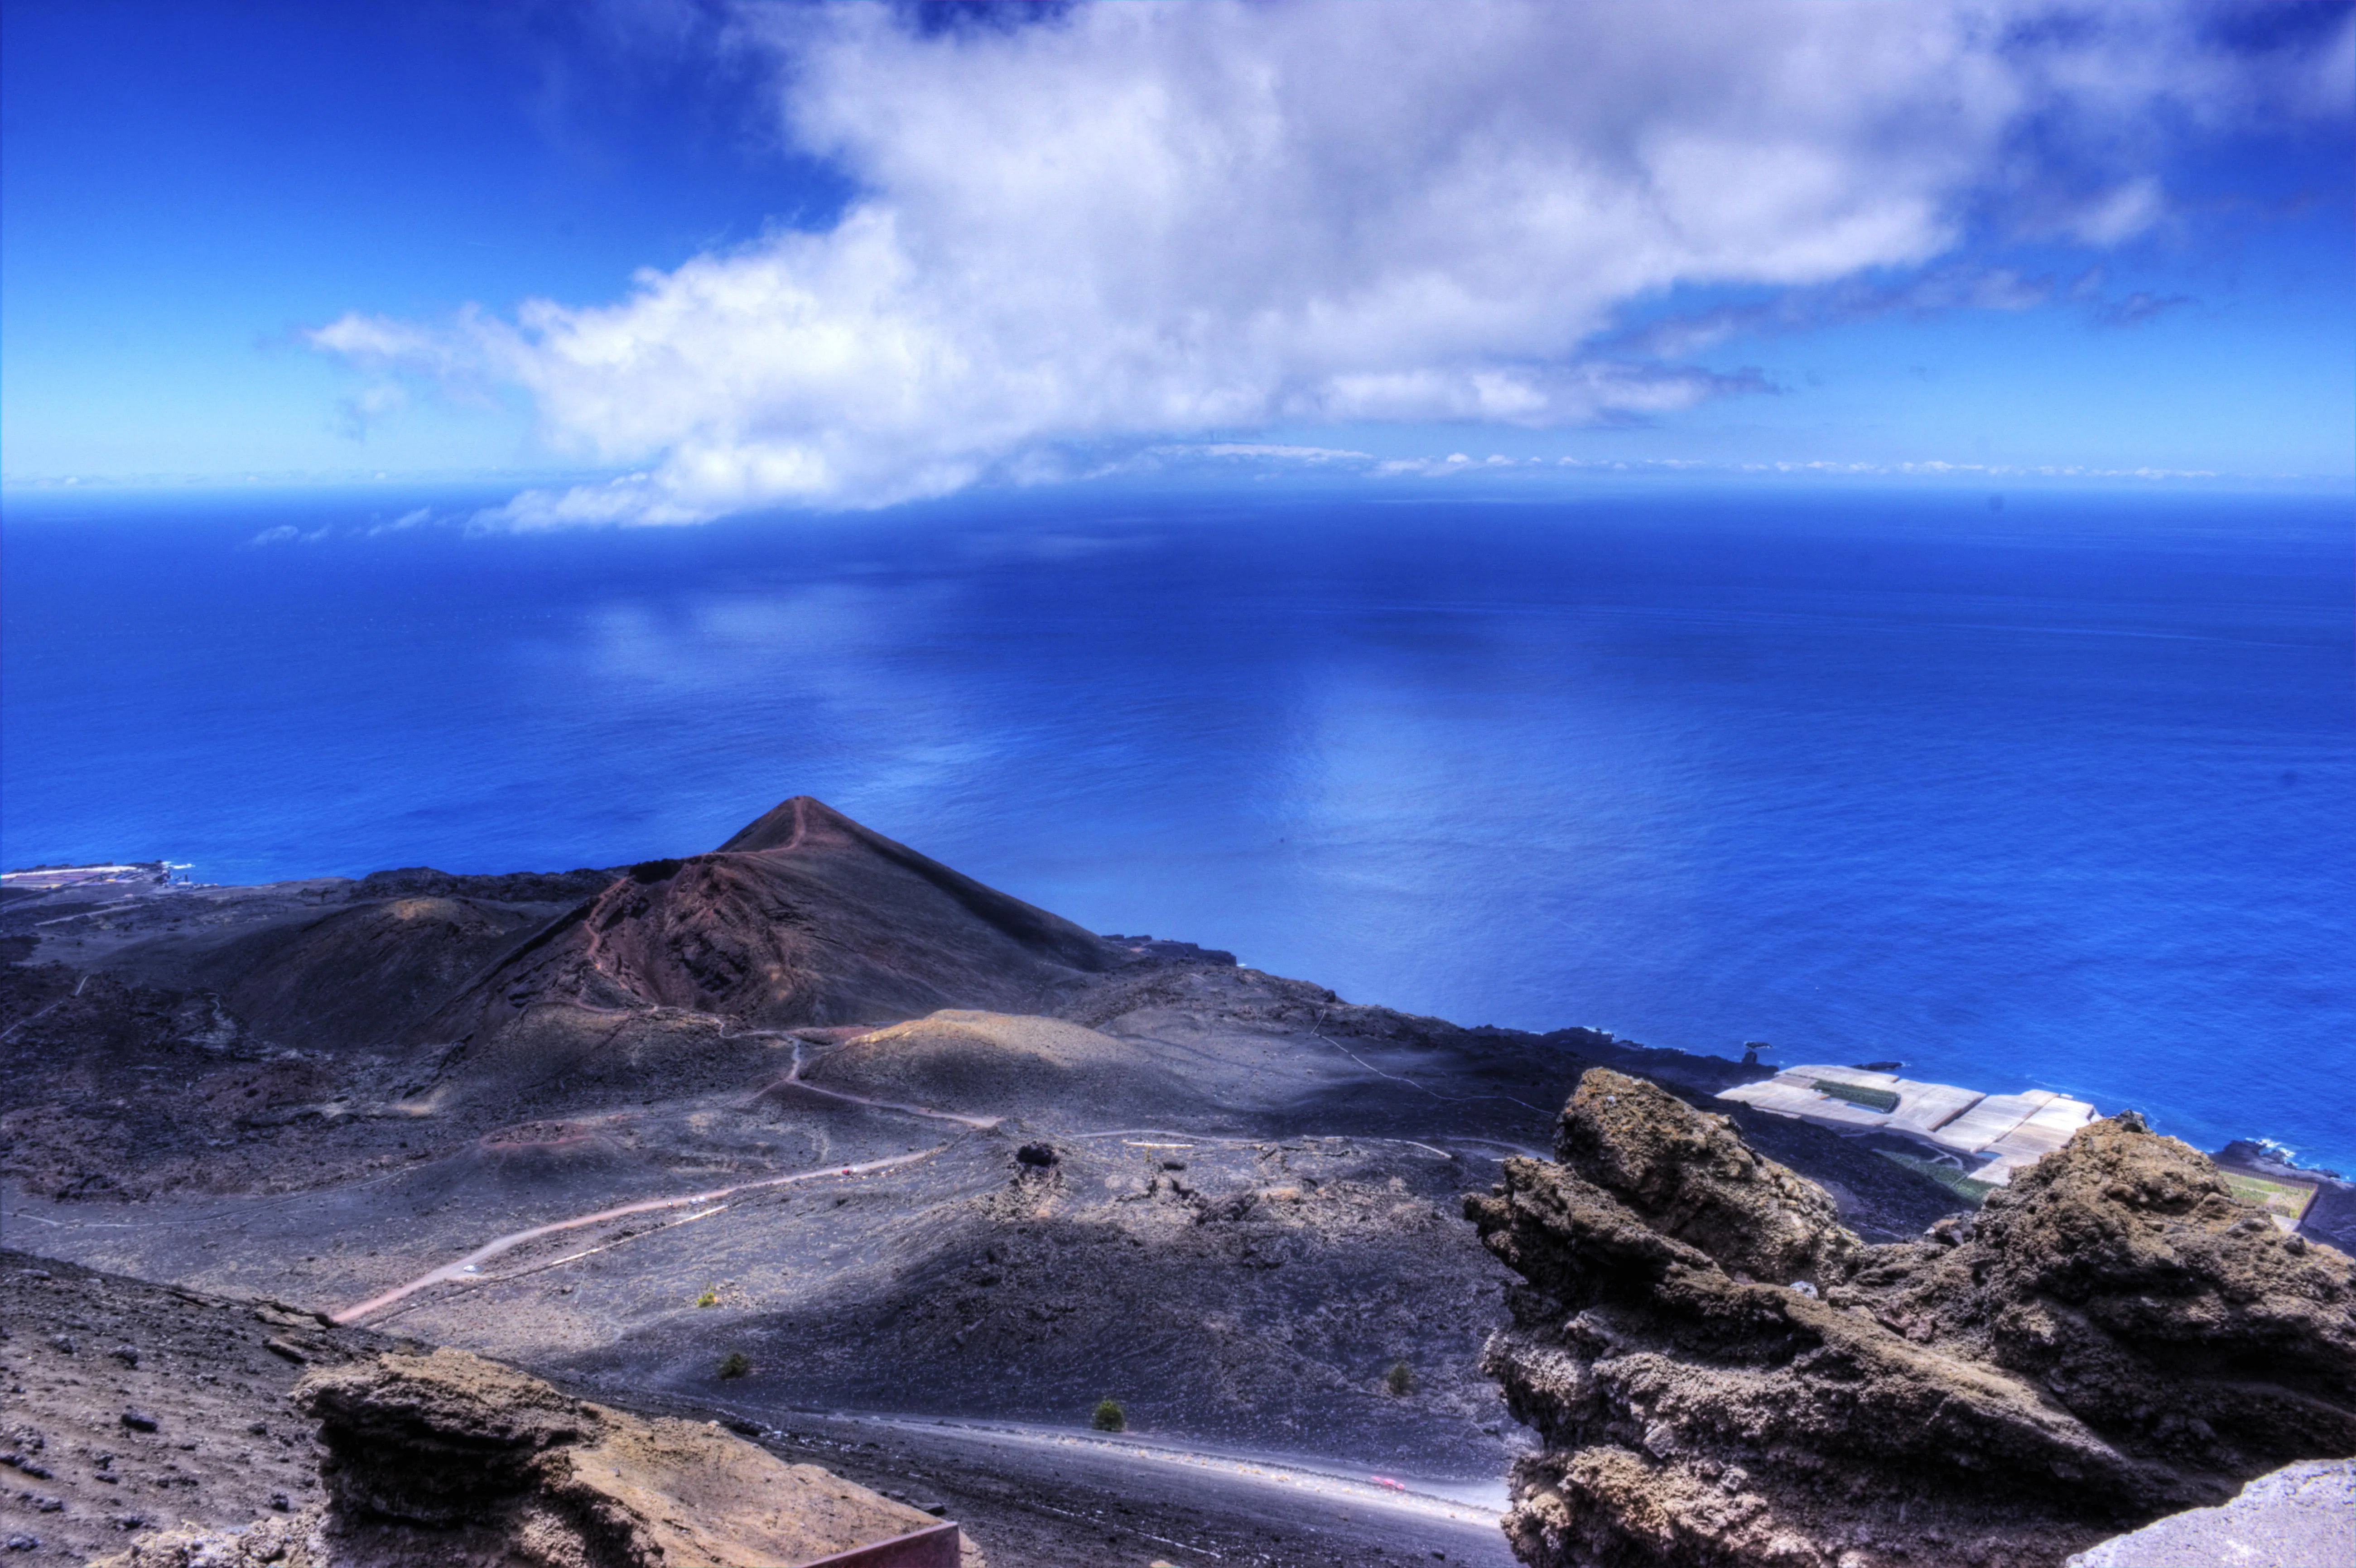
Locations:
(1121, 224)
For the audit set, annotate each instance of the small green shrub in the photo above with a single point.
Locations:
(711, 1296)
(1399, 1380)
(1109, 1416)
(734, 1364)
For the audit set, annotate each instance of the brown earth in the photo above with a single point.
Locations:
(153, 1426)
(133, 1406)
(1721, 1373)
(447, 1459)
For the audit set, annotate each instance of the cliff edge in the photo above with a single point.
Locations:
(448, 1459)
(1720, 1374)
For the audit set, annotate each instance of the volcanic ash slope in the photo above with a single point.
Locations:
(1721, 1374)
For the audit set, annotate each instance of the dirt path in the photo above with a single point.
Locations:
(459, 1268)
(492, 1249)
(794, 1081)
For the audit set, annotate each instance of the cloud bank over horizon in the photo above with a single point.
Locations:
(1099, 228)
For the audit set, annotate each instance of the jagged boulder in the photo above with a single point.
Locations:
(443, 1438)
(1722, 1375)
(449, 1460)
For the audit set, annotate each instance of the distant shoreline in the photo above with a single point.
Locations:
(2328, 1211)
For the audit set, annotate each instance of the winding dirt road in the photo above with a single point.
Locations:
(459, 1268)
(492, 1249)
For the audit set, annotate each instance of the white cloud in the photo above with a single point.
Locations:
(1254, 449)
(1137, 222)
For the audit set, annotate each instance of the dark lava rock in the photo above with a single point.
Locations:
(518, 887)
(138, 1420)
(1040, 1155)
(2114, 1337)
(1147, 947)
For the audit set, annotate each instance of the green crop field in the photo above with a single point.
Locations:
(1946, 1176)
(1858, 1094)
(2287, 1198)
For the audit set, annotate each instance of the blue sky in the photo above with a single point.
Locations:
(660, 262)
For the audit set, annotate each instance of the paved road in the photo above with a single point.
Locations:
(1042, 1498)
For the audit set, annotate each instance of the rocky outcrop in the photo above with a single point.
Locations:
(451, 1461)
(1720, 1374)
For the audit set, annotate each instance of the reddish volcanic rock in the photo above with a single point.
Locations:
(803, 918)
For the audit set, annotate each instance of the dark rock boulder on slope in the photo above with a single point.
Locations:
(804, 918)
(1722, 1375)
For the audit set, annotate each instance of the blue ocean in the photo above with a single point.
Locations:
(2041, 790)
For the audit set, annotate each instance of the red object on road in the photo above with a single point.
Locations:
(1387, 1481)
(936, 1547)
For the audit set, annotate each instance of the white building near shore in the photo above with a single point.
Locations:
(1991, 1135)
